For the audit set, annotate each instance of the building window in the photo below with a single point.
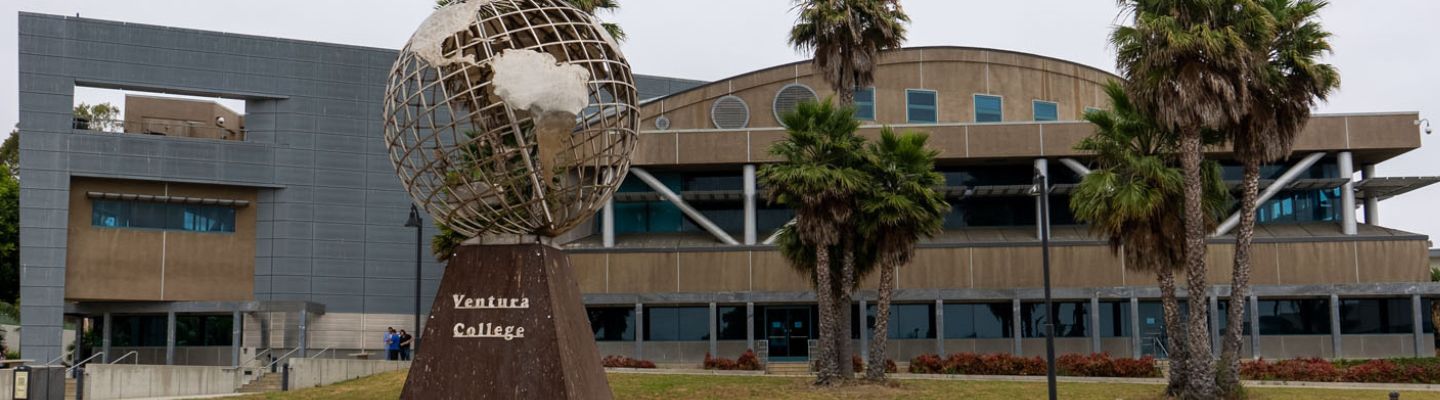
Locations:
(989, 108)
(921, 106)
(147, 215)
(612, 324)
(1222, 312)
(979, 321)
(1375, 316)
(1295, 317)
(865, 104)
(1072, 319)
(675, 324)
(1046, 110)
(1114, 319)
(730, 322)
(190, 330)
(907, 321)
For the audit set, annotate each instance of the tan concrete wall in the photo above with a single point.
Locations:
(308, 373)
(1080, 266)
(105, 382)
(109, 264)
(182, 118)
(686, 352)
(1296, 346)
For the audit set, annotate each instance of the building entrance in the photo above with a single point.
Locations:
(788, 331)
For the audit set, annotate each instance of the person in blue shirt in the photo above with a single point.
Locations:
(392, 344)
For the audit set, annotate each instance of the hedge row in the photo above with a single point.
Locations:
(748, 361)
(1097, 365)
(1404, 370)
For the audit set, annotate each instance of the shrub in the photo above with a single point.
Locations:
(1300, 369)
(1101, 365)
(1400, 370)
(859, 364)
(625, 362)
(748, 361)
(926, 364)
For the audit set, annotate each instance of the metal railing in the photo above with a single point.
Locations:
(271, 366)
(82, 362)
(127, 355)
(61, 357)
(317, 355)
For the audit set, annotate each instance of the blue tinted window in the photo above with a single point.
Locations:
(730, 322)
(988, 108)
(1115, 319)
(1046, 111)
(612, 324)
(1295, 317)
(670, 324)
(978, 321)
(920, 106)
(1072, 319)
(865, 104)
(1375, 316)
(148, 215)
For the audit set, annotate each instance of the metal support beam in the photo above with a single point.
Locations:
(684, 207)
(1215, 317)
(1015, 330)
(1042, 167)
(236, 337)
(1335, 326)
(1417, 325)
(1136, 343)
(1080, 169)
(1095, 323)
(1280, 183)
(639, 331)
(105, 338)
(607, 223)
(750, 325)
(714, 330)
(304, 333)
(750, 216)
(1372, 203)
(1254, 314)
(1347, 193)
(170, 338)
(864, 331)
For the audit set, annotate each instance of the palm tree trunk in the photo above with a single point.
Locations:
(1174, 332)
(1201, 376)
(875, 369)
(844, 349)
(825, 370)
(1228, 374)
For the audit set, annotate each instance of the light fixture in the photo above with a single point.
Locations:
(1426, 123)
(219, 121)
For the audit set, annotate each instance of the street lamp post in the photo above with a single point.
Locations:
(419, 225)
(1042, 189)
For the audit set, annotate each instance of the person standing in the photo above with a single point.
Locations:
(406, 342)
(392, 344)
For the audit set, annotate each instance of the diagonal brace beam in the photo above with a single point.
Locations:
(1280, 183)
(683, 206)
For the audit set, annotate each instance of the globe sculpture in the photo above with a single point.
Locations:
(510, 117)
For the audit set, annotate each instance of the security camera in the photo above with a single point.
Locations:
(1426, 123)
(220, 121)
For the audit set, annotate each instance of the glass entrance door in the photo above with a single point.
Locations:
(788, 331)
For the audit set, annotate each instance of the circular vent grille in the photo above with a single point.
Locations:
(662, 123)
(730, 112)
(790, 96)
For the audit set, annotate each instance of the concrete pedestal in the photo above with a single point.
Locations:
(507, 323)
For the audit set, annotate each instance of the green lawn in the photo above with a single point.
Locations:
(668, 387)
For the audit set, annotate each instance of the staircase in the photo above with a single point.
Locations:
(266, 383)
(787, 368)
(70, 388)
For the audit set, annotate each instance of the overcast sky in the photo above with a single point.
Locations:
(1387, 51)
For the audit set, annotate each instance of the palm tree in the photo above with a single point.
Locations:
(1290, 82)
(1131, 199)
(818, 177)
(846, 38)
(1187, 64)
(588, 6)
(903, 205)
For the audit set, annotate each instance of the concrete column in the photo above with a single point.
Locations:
(1095, 323)
(1254, 314)
(264, 319)
(639, 330)
(940, 327)
(1015, 327)
(607, 223)
(1335, 323)
(1372, 204)
(236, 336)
(750, 216)
(1417, 319)
(105, 338)
(304, 333)
(714, 330)
(170, 338)
(750, 325)
(1136, 343)
(1043, 167)
(864, 331)
(1347, 193)
(1215, 317)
